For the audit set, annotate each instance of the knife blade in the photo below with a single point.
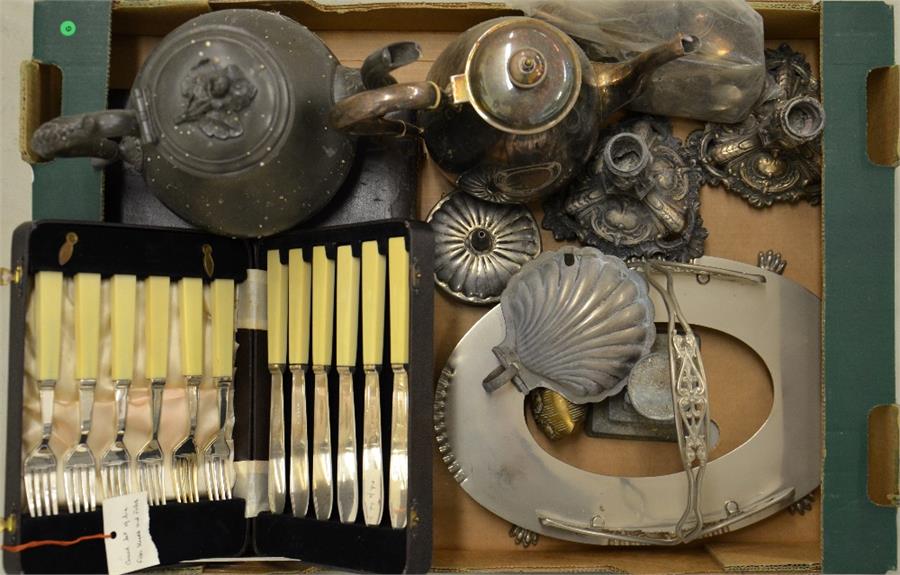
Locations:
(299, 283)
(347, 329)
(322, 330)
(373, 277)
(398, 474)
(276, 310)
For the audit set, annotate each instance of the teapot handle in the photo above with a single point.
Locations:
(363, 114)
(84, 135)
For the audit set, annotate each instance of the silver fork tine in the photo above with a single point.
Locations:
(225, 479)
(92, 479)
(39, 495)
(212, 485)
(29, 494)
(162, 484)
(54, 500)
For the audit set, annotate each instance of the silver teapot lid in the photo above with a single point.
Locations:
(523, 75)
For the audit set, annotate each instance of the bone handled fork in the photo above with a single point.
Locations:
(80, 467)
(398, 474)
(115, 464)
(299, 282)
(217, 452)
(150, 462)
(40, 465)
(347, 329)
(185, 464)
(322, 330)
(276, 309)
(373, 277)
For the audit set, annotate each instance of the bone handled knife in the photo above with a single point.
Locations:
(299, 284)
(87, 344)
(373, 277)
(277, 310)
(347, 329)
(221, 313)
(123, 312)
(398, 474)
(156, 327)
(322, 330)
(192, 343)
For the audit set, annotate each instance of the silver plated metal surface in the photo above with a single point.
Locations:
(772, 261)
(775, 154)
(576, 321)
(501, 466)
(638, 197)
(480, 245)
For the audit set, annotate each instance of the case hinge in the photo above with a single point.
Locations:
(10, 276)
(884, 455)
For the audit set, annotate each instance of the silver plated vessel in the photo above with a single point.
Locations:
(638, 198)
(775, 155)
(500, 464)
(576, 322)
(480, 245)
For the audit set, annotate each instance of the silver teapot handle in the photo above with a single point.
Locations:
(363, 113)
(84, 135)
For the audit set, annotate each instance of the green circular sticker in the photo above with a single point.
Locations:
(67, 28)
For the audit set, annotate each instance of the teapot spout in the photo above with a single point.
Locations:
(621, 82)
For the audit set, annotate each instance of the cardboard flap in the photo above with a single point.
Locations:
(883, 115)
(40, 90)
(884, 455)
(749, 558)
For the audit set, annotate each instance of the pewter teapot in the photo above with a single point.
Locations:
(228, 122)
(511, 109)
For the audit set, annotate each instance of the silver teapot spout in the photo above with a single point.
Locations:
(619, 83)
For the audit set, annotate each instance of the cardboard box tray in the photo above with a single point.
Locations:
(823, 245)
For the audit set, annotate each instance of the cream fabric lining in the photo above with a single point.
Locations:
(174, 422)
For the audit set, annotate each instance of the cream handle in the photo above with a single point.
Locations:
(373, 276)
(276, 307)
(398, 264)
(299, 282)
(347, 307)
(323, 306)
(190, 291)
(157, 326)
(222, 318)
(87, 326)
(123, 310)
(48, 305)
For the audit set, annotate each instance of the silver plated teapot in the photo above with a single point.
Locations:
(511, 109)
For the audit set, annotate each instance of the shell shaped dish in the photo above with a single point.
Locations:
(577, 320)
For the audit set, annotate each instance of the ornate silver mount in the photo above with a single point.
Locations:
(775, 154)
(638, 198)
(644, 410)
(772, 261)
(523, 537)
(480, 245)
(213, 96)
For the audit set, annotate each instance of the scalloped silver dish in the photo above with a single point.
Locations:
(576, 320)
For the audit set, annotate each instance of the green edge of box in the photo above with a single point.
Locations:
(858, 206)
(71, 188)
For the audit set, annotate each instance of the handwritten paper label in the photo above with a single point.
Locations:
(130, 548)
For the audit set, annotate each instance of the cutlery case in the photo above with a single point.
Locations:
(242, 526)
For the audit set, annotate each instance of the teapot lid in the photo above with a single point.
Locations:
(523, 75)
(215, 97)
